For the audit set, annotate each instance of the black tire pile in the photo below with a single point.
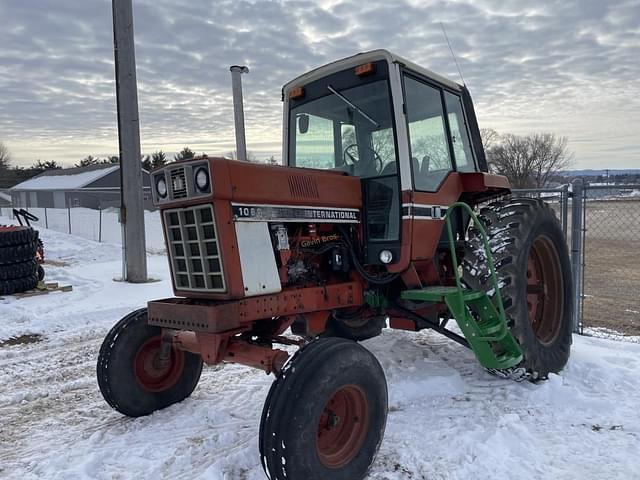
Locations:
(18, 266)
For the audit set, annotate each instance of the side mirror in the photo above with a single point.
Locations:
(303, 123)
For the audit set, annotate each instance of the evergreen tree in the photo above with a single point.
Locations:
(88, 160)
(185, 154)
(46, 165)
(158, 159)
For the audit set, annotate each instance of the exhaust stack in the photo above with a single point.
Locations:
(238, 110)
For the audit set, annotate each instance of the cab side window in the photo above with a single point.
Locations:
(459, 134)
(429, 148)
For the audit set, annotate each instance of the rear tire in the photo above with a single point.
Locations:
(325, 415)
(129, 377)
(534, 272)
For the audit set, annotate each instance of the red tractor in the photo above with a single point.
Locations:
(385, 215)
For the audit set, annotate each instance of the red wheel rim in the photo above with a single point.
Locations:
(150, 371)
(545, 290)
(343, 426)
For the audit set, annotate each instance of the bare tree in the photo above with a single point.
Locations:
(529, 161)
(381, 142)
(5, 157)
(251, 157)
(431, 152)
(490, 138)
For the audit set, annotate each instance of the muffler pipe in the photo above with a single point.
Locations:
(238, 110)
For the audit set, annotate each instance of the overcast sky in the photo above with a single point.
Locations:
(568, 66)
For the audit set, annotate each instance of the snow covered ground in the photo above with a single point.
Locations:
(448, 419)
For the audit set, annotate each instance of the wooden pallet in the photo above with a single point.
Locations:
(43, 289)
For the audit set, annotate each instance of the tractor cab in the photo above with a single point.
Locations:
(400, 128)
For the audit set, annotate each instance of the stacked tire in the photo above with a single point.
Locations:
(18, 265)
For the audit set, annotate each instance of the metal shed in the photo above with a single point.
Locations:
(95, 186)
(5, 198)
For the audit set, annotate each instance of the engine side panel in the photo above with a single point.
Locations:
(257, 260)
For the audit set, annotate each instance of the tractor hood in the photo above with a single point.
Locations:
(253, 183)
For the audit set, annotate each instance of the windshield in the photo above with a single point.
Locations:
(349, 130)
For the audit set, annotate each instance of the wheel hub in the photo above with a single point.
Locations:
(342, 427)
(154, 373)
(545, 290)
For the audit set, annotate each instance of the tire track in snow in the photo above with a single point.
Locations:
(54, 393)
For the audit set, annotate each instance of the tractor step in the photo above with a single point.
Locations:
(480, 321)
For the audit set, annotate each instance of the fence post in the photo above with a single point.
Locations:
(100, 224)
(69, 216)
(576, 251)
(46, 220)
(564, 208)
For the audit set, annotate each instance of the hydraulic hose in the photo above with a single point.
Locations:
(373, 279)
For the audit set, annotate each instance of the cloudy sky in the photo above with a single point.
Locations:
(567, 66)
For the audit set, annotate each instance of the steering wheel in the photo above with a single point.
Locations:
(355, 157)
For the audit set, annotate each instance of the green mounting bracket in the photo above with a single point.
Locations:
(375, 300)
(481, 319)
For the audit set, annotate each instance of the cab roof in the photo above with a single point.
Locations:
(364, 57)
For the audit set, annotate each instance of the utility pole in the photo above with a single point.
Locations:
(131, 204)
(238, 110)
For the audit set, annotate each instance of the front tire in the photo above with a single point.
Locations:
(534, 272)
(324, 417)
(129, 376)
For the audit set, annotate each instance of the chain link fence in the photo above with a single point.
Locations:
(558, 198)
(611, 284)
(97, 225)
(602, 227)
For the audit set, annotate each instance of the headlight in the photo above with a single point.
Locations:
(386, 256)
(202, 179)
(161, 187)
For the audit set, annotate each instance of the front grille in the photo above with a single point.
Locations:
(178, 183)
(194, 249)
